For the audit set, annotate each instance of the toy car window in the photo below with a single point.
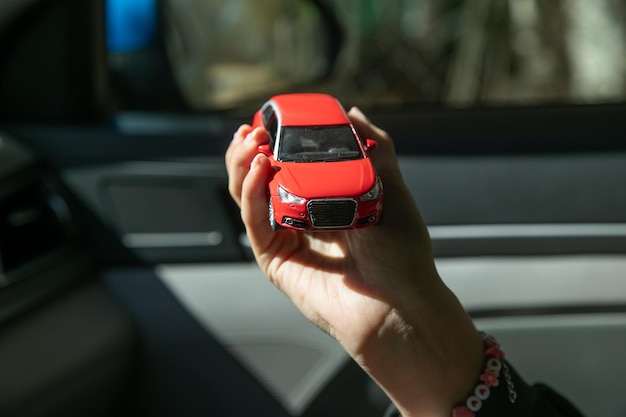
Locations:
(272, 128)
(267, 113)
(318, 144)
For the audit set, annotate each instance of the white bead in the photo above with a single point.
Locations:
(494, 364)
(474, 403)
(482, 391)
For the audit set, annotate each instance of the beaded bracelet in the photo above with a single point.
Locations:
(490, 378)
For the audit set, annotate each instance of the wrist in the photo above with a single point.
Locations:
(426, 357)
(495, 370)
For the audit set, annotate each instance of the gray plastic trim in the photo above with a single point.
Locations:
(497, 283)
(172, 240)
(237, 304)
(506, 231)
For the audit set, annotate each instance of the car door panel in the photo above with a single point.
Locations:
(70, 356)
(475, 205)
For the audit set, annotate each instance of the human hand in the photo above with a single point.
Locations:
(375, 290)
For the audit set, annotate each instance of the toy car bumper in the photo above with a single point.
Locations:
(326, 214)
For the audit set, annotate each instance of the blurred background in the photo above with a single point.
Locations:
(224, 54)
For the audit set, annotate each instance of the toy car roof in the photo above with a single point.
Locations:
(309, 109)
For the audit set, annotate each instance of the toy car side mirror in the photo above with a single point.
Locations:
(370, 145)
(265, 149)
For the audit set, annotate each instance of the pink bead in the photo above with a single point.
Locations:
(462, 411)
(490, 378)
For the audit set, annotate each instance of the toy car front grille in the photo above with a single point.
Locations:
(332, 213)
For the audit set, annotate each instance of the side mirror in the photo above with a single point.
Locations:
(223, 64)
(265, 149)
(370, 145)
(257, 120)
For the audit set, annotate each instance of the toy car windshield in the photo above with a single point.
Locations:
(318, 144)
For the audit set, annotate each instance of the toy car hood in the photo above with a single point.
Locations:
(326, 179)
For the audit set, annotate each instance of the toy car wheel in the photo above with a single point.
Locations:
(275, 226)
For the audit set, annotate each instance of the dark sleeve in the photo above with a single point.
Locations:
(529, 401)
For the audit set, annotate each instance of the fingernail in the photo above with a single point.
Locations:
(251, 134)
(255, 161)
(358, 113)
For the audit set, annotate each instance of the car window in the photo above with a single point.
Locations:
(225, 54)
(318, 143)
(271, 124)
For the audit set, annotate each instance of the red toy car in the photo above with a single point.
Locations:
(324, 178)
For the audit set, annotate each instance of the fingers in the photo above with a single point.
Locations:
(239, 155)
(238, 137)
(399, 204)
(365, 127)
(254, 204)
(384, 156)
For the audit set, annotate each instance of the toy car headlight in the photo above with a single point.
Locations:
(286, 197)
(373, 193)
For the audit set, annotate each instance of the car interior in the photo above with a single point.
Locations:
(127, 285)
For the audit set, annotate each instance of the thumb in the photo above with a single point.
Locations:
(254, 203)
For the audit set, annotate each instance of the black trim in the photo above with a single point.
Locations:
(546, 311)
(504, 130)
